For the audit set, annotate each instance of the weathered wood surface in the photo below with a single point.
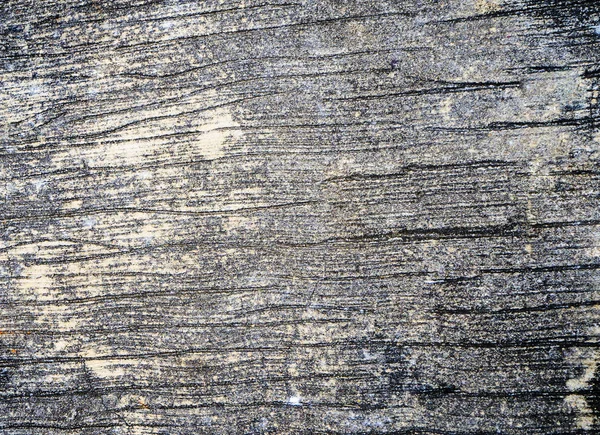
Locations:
(299, 217)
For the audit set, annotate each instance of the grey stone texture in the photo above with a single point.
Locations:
(299, 217)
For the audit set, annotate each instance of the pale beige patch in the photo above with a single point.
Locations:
(446, 108)
(212, 136)
(487, 6)
(35, 282)
(590, 365)
(105, 369)
(149, 135)
(72, 205)
(578, 403)
(238, 222)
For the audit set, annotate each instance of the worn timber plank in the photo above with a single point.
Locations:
(299, 217)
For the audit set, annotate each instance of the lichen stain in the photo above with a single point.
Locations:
(584, 390)
(486, 6)
(147, 141)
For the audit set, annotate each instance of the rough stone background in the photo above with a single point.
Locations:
(299, 217)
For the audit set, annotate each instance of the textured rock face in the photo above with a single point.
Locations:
(299, 217)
